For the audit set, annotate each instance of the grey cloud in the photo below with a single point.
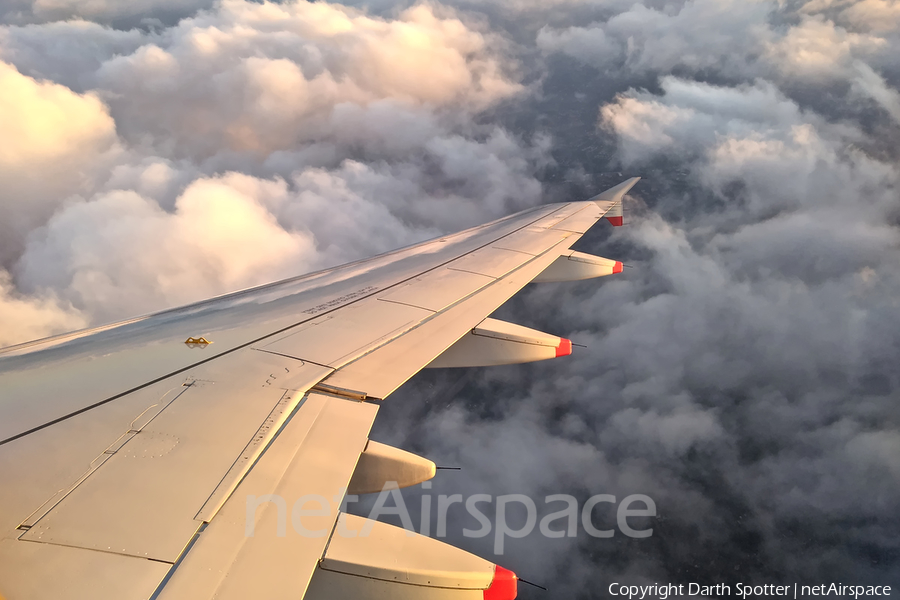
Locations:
(741, 374)
(67, 52)
(871, 84)
(145, 13)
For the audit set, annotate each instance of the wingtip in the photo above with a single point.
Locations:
(615, 193)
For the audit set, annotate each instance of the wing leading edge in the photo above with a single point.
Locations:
(129, 458)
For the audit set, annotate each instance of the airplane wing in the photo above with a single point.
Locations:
(204, 452)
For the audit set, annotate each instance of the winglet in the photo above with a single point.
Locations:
(610, 201)
(615, 194)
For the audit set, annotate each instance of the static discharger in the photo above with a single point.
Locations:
(197, 342)
(533, 584)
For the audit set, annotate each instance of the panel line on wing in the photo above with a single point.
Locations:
(177, 563)
(251, 452)
(201, 445)
(423, 343)
(24, 540)
(499, 281)
(99, 460)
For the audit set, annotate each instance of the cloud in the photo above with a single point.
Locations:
(327, 104)
(590, 44)
(59, 139)
(696, 35)
(818, 48)
(122, 250)
(741, 373)
(728, 41)
(868, 15)
(66, 52)
(694, 116)
(154, 13)
(870, 84)
(28, 318)
(48, 121)
(243, 89)
(783, 156)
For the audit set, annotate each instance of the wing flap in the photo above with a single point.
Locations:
(197, 445)
(261, 545)
(74, 573)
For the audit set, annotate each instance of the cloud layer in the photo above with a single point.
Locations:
(138, 140)
(742, 374)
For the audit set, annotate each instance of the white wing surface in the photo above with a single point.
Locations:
(162, 457)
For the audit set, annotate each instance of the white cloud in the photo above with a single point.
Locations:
(697, 35)
(784, 156)
(697, 116)
(327, 104)
(25, 318)
(735, 40)
(54, 143)
(676, 432)
(121, 251)
(868, 15)
(258, 78)
(48, 122)
(66, 52)
(817, 48)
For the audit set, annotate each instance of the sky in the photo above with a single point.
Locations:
(742, 372)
